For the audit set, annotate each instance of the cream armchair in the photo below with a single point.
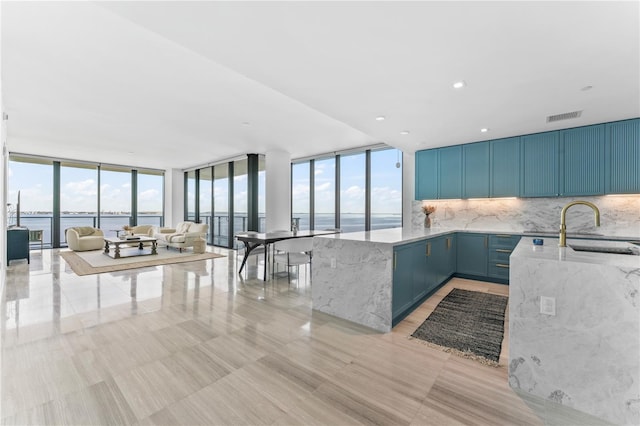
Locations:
(84, 238)
(182, 236)
(142, 230)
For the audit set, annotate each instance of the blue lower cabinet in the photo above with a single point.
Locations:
(472, 251)
(500, 248)
(402, 294)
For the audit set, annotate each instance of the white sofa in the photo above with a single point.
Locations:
(84, 238)
(182, 236)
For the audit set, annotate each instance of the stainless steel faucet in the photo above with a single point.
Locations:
(563, 219)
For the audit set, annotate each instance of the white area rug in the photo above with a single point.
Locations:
(96, 262)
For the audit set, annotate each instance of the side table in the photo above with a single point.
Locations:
(17, 244)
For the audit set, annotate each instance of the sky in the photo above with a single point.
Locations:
(386, 184)
(79, 189)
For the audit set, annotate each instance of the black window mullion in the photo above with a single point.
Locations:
(337, 192)
(367, 192)
(134, 198)
(55, 226)
(312, 195)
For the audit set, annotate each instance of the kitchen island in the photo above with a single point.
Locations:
(584, 351)
(353, 273)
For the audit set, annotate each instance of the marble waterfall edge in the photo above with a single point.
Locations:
(359, 287)
(587, 355)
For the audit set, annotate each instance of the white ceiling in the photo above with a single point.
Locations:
(171, 84)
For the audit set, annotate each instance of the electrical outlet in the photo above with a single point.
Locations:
(547, 305)
(333, 262)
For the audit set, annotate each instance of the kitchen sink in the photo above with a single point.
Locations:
(612, 250)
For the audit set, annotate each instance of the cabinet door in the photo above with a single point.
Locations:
(539, 165)
(451, 256)
(476, 170)
(505, 167)
(472, 254)
(431, 272)
(442, 260)
(420, 269)
(450, 172)
(582, 154)
(623, 157)
(426, 175)
(402, 293)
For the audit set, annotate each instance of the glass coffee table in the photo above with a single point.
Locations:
(112, 247)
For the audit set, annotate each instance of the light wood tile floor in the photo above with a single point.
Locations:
(195, 343)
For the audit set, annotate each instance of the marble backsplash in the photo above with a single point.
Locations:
(619, 215)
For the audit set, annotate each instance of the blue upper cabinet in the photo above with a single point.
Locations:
(505, 167)
(582, 153)
(450, 172)
(475, 157)
(622, 148)
(427, 175)
(588, 160)
(539, 165)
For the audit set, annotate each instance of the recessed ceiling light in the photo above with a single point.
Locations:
(459, 84)
(484, 130)
(380, 118)
(404, 132)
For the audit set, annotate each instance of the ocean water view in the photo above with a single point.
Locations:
(218, 224)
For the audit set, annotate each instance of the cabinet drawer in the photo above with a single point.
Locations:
(499, 256)
(499, 270)
(503, 241)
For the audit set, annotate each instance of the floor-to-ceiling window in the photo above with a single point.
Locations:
(352, 192)
(386, 189)
(221, 205)
(78, 196)
(59, 194)
(150, 198)
(204, 199)
(33, 178)
(115, 199)
(190, 193)
(300, 195)
(324, 173)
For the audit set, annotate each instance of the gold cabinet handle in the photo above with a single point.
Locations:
(502, 265)
(486, 241)
(503, 251)
(428, 249)
(503, 236)
(395, 261)
(448, 243)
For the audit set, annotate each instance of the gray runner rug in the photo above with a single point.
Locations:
(468, 323)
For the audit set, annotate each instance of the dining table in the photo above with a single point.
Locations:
(252, 240)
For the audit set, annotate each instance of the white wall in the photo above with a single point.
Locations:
(408, 188)
(278, 190)
(173, 197)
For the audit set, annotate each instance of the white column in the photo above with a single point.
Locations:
(173, 197)
(278, 190)
(408, 188)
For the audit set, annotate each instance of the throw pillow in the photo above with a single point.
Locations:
(83, 231)
(183, 227)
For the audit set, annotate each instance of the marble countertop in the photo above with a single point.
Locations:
(396, 236)
(551, 251)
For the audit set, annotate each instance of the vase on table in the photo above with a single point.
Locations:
(427, 221)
